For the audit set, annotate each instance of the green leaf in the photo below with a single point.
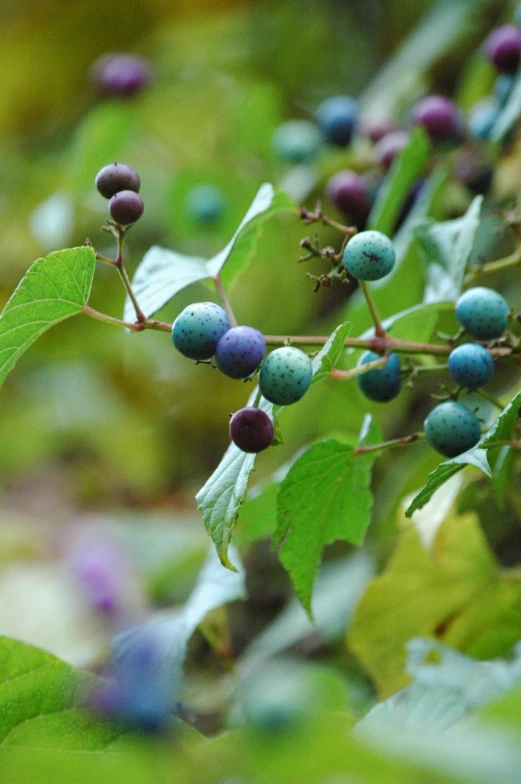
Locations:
(163, 273)
(330, 353)
(504, 427)
(53, 289)
(476, 457)
(446, 248)
(509, 115)
(406, 169)
(325, 496)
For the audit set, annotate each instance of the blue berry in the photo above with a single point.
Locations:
(451, 428)
(205, 203)
(240, 351)
(380, 384)
(482, 118)
(369, 255)
(198, 329)
(337, 117)
(251, 430)
(471, 365)
(482, 313)
(285, 376)
(297, 141)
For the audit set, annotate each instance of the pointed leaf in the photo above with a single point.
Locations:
(504, 427)
(330, 353)
(54, 288)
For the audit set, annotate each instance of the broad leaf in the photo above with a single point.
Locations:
(504, 427)
(53, 289)
(446, 249)
(163, 273)
(407, 168)
(325, 496)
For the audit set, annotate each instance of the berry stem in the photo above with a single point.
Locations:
(380, 345)
(404, 441)
(226, 302)
(95, 314)
(105, 259)
(378, 328)
(312, 217)
(494, 266)
(120, 266)
(344, 375)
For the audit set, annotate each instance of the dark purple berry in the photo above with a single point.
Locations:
(117, 177)
(126, 207)
(121, 75)
(439, 116)
(240, 351)
(348, 192)
(503, 48)
(390, 146)
(251, 430)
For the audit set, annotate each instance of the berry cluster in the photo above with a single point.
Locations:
(120, 183)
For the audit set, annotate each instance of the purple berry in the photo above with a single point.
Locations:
(240, 351)
(126, 207)
(117, 177)
(439, 116)
(121, 75)
(251, 430)
(390, 146)
(503, 48)
(348, 192)
(375, 128)
(198, 329)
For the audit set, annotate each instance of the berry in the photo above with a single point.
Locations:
(126, 207)
(451, 428)
(198, 329)
(390, 146)
(205, 203)
(503, 87)
(369, 255)
(474, 170)
(482, 118)
(117, 177)
(251, 430)
(471, 365)
(380, 384)
(482, 313)
(438, 116)
(376, 127)
(121, 75)
(503, 48)
(297, 141)
(240, 351)
(348, 192)
(285, 376)
(336, 118)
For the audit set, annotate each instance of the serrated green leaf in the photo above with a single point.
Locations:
(476, 457)
(504, 426)
(163, 273)
(325, 496)
(53, 289)
(446, 249)
(406, 169)
(330, 353)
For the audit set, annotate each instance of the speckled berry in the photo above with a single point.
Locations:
(451, 428)
(126, 207)
(390, 146)
(297, 141)
(117, 177)
(285, 375)
(503, 48)
(348, 192)
(240, 351)
(121, 75)
(439, 116)
(337, 117)
(198, 329)
(205, 203)
(482, 118)
(369, 255)
(251, 430)
(380, 384)
(471, 365)
(483, 313)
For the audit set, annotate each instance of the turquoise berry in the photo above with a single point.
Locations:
(240, 351)
(198, 328)
(369, 255)
(482, 118)
(205, 203)
(482, 313)
(297, 141)
(285, 376)
(471, 365)
(451, 428)
(337, 118)
(380, 384)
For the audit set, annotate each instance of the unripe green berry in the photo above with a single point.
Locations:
(451, 428)
(369, 255)
(285, 375)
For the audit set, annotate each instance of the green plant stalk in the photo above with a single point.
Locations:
(378, 327)
(494, 266)
(226, 302)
